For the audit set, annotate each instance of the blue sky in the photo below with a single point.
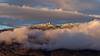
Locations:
(85, 6)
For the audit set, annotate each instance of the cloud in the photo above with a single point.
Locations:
(18, 35)
(64, 4)
(83, 36)
(85, 6)
(26, 12)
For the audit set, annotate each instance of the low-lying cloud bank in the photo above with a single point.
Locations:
(29, 12)
(84, 36)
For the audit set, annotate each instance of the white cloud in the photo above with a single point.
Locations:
(84, 36)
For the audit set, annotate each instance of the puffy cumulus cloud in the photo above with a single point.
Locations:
(17, 35)
(21, 34)
(84, 36)
(7, 37)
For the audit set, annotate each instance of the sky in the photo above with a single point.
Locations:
(84, 6)
(87, 33)
(80, 5)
